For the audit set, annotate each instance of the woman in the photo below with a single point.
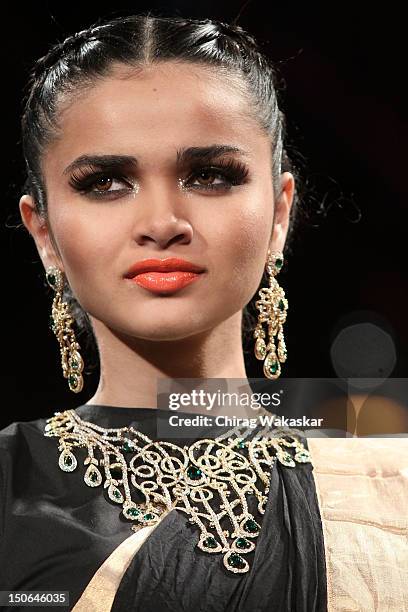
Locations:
(161, 139)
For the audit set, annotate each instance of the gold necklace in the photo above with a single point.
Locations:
(165, 476)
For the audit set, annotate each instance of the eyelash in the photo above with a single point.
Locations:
(233, 171)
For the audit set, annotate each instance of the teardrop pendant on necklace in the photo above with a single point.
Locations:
(303, 456)
(285, 458)
(114, 494)
(93, 477)
(235, 563)
(250, 527)
(242, 545)
(67, 461)
(209, 544)
(131, 512)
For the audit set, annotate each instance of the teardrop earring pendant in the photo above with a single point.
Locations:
(61, 321)
(272, 307)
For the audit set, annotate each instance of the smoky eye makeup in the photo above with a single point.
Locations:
(112, 177)
(217, 176)
(97, 183)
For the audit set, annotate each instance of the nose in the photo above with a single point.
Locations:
(162, 221)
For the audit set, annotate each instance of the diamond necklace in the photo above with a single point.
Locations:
(164, 476)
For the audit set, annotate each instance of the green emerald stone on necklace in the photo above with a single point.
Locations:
(210, 542)
(251, 526)
(194, 473)
(235, 560)
(302, 455)
(127, 447)
(133, 512)
(242, 543)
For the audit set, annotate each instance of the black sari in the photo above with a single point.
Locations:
(55, 532)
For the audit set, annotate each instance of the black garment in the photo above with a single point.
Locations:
(55, 532)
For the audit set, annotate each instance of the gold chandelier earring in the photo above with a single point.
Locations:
(272, 310)
(61, 321)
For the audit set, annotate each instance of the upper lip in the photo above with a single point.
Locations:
(170, 264)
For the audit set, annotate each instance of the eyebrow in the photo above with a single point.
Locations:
(184, 156)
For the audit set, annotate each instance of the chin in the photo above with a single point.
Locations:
(161, 331)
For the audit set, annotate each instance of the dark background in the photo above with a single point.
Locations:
(344, 71)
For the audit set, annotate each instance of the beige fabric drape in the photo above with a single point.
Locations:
(101, 589)
(362, 488)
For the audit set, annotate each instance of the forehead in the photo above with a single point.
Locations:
(156, 110)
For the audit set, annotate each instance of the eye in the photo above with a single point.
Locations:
(206, 177)
(105, 183)
(224, 176)
(100, 185)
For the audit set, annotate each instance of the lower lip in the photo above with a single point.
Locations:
(165, 282)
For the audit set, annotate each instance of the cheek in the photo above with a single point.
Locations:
(243, 243)
(88, 241)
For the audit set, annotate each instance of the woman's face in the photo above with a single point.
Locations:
(180, 169)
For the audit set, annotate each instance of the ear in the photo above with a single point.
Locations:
(283, 206)
(39, 230)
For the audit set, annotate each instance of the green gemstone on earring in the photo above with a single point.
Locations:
(278, 263)
(51, 279)
(273, 368)
(260, 348)
(73, 381)
(281, 305)
(74, 364)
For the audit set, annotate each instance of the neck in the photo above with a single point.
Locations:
(131, 367)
